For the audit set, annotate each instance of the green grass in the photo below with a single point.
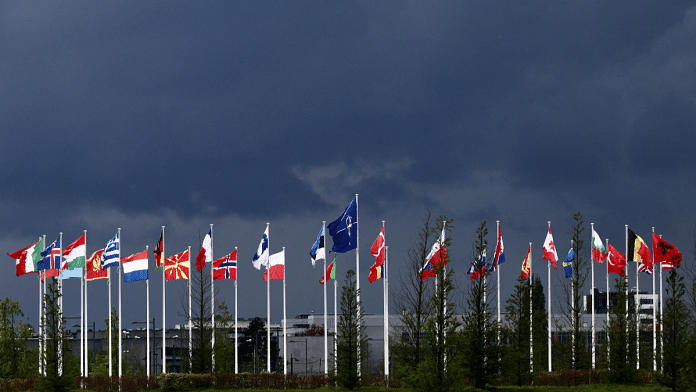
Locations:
(582, 388)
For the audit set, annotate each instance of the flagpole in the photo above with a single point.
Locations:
(636, 300)
(147, 294)
(654, 321)
(268, 301)
(60, 303)
(82, 319)
(40, 322)
(212, 298)
(548, 274)
(497, 271)
(335, 342)
(661, 342)
(593, 302)
(607, 324)
(285, 344)
(326, 324)
(44, 335)
(531, 336)
(572, 305)
(84, 327)
(109, 327)
(626, 278)
(120, 319)
(236, 346)
(164, 309)
(386, 312)
(357, 275)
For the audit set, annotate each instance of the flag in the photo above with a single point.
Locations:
(616, 260)
(111, 252)
(527, 264)
(478, 268)
(261, 252)
(135, 267)
(50, 273)
(550, 249)
(599, 252)
(75, 254)
(499, 256)
(94, 270)
(226, 267)
(177, 266)
(644, 268)
(330, 272)
(276, 267)
(568, 263)
(638, 251)
(26, 259)
(344, 230)
(206, 252)
(159, 252)
(50, 256)
(666, 253)
(436, 258)
(318, 252)
(377, 250)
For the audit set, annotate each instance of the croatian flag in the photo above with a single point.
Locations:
(499, 256)
(112, 251)
(262, 252)
(135, 267)
(51, 256)
(226, 267)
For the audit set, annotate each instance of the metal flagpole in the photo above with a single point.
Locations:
(626, 278)
(120, 319)
(44, 335)
(607, 324)
(637, 304)
(82, 320)
(190, 321)
(236, 346)
(497, 271)
(268, 302)
(326, 323)
(661, 342)
(84, 326)
(386, 312)
(164, 309)
(531, 336)
(548, 306)
(592, 333)
(212, 298)
(40, 322)
(147, 292)
(335, 341)
(285, 344)
(654, 321)
(60, 304)
(357, 275)
(111, 355)
(572, 306)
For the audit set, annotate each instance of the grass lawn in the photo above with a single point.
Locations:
(583, 388)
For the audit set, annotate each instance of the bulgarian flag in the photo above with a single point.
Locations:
(27, 258)
(599, 252)
(75, 254)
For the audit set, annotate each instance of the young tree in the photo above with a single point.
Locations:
(622, 344)
(201, 357)
(412, 296)
(352, 349)
(540, 325)
(13, 340)
(56, 347)
(480, 352)
(516, 357)
(252, 348)
(224, 346)
(674, 331)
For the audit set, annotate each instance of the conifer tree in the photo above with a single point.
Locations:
(352, 348)
(674, 331)
(622, 344)
(56, 348)
(14, 334)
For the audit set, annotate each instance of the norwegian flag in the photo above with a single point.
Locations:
(226, 267)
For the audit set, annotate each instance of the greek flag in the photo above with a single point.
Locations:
(112, 253)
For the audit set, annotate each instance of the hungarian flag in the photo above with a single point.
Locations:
(226, 267)
(94, 270)
(616, 260)
(436, 258)
(177, 266)
(550, 250)
(276, 267)
(666, 253)
(639, 252)
(75, 254)
(527, 264)
(330, 272)
(377, 250)
(159, 252)
(26, 259)
(599, 252)
(206, 253)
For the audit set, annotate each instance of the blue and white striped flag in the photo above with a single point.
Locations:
(112, 253)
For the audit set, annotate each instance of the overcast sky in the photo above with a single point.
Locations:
(137, 115)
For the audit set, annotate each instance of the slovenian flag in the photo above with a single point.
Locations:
(135, 267)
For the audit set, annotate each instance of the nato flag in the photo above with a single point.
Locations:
(344, 230)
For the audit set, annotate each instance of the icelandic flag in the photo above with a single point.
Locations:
(344, 230)
(50, 256)
(499, 256)
(261, 252)
(568, 263)
(135, 267)
(112, 251)
(206, 253)
(226, 267)
(318, 251)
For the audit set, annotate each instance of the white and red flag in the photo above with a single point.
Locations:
(276, 268)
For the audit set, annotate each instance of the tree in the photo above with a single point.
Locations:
(201, 316)
(622, 344)
(411, 299)
(516, 358)
(252, 348)
(224, 346)
(480, 352)
(14, 334)
(352, 348)
(540, 326)
(56, 347)
(674, 332)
